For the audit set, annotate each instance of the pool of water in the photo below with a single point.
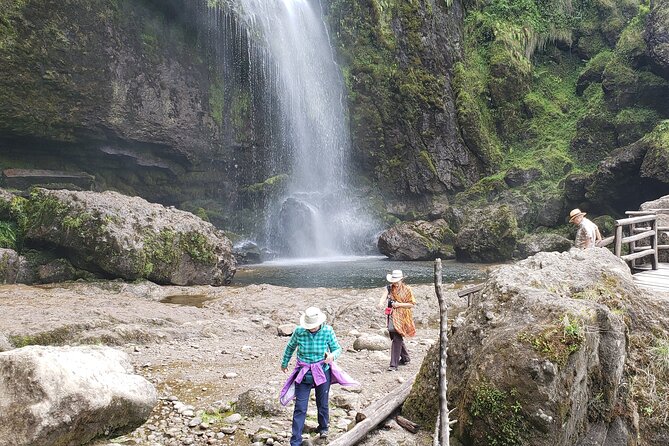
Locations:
(351, 272)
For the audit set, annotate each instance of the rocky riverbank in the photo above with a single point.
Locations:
(215, 360)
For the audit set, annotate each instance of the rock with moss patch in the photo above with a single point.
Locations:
(60, 270)
(70, 395)
(129, 237)
(656, 162)
(657, 35)
(487, 235)
(540, 355)
(418, 240)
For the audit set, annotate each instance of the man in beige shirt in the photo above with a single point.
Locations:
(588, 233)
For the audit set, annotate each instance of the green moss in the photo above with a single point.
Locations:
(270, 185)
(501, 414)
(58, 336)
(8, 235)
(425, 156)
(217, 101)
(198, 248)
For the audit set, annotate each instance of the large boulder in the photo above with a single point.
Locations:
(487, 235)
(657, 36)
(52, 396)
(129, 237)
(418, 240)
(553, 351)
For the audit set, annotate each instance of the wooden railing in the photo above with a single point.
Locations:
(640, 232)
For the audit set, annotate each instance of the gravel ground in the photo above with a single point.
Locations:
(214, 353)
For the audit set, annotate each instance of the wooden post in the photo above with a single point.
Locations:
(653, 243)
(619, 240)
(632, 246)
(444, 425)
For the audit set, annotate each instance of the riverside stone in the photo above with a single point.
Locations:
(131, 238)
(69, 395)
(418, 240)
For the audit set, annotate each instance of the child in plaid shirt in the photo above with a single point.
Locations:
(317, 347)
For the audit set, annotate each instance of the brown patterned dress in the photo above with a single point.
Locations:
(403, 317)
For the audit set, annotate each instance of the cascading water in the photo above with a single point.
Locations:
(289, 46)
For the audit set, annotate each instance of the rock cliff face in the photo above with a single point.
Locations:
(123, 91)
(557, 350)
(397, 59)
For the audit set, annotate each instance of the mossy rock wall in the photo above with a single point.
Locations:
(130, 92)
(397, 59)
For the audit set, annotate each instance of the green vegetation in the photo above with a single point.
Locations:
(556, 343)
(502, 414)
(217, 101)
(8, 235)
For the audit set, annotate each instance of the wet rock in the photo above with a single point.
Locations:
(247, 252)
(70, 395)
(418, 240)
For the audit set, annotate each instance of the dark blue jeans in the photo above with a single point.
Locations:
(302, 393)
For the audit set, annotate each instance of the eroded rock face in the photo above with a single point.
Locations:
(657, 35)
(69, 395)
(487, 235)
(131, 238)
(418, 240)
(540, 356)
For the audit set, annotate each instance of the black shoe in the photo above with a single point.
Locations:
(402, 362)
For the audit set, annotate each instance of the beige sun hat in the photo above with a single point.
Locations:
(575, 213)
(312, 318)
(395, 276)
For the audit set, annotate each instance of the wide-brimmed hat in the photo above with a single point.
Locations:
(575, 213)
(395, 276)
(312, 318)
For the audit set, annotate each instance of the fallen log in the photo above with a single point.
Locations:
(374, 414)
(407, 424)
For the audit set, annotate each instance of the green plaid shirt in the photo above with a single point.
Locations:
(311, 347)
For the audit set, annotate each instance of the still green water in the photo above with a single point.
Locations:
(351, 272)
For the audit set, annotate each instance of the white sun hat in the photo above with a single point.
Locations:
(395, 276)
(312, 318)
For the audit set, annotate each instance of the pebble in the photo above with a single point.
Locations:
(230, 375)
(233, 419)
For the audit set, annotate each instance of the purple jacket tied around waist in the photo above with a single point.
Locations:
(338, 377)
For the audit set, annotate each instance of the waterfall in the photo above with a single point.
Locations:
(288, 46)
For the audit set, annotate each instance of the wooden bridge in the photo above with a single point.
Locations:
(636, 241)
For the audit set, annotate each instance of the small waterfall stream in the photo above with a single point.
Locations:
(288, 45)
